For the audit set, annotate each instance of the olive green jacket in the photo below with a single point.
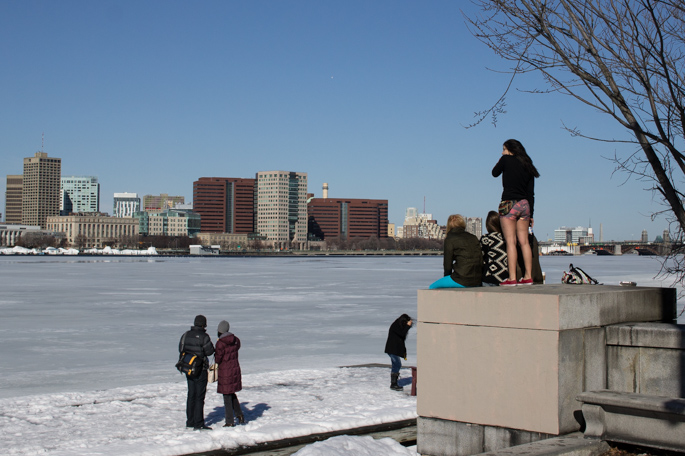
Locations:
(463, 260)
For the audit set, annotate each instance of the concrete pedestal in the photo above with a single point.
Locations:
(515, 359)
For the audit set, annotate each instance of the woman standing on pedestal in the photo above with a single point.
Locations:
(516, 207)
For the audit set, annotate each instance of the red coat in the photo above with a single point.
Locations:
(226, 356)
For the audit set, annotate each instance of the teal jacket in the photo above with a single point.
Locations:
(463, 260)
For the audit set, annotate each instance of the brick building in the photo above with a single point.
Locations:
(347, 218)
(225, 204)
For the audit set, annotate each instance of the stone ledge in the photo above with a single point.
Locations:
(656, 335)
(634, 401)
(546, 307)
(568, 445)
(652, 421)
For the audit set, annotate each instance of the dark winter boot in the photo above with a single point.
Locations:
(394, 376)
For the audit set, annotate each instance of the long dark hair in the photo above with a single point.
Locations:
(492, 223)
(518, 151)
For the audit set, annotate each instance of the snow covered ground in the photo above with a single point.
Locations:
(92, 341)
(150, 420)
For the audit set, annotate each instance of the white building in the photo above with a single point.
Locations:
(79, 194)
(474, 225)
(421, 226)
(566, 235)
(10, 233)
(126, 204)
(282, 208)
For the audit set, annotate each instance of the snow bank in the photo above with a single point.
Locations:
(346, 445)
(60, 251)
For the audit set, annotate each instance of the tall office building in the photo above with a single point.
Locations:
(125, 204)
(40, 196)
(347, 218)
(162, 202)
(79, 194)
(225, 204)
(282, 207)
(13, 199)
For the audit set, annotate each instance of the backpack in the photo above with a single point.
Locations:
(188, 363)
(577, 276)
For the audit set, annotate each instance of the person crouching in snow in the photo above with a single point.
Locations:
(396, 349)
(230, 379)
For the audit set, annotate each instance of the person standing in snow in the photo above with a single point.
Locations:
(197, 342)
(396, 349)
(230, 377)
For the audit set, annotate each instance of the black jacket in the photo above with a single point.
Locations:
(396, 337)
(463, 260)
(197, 342)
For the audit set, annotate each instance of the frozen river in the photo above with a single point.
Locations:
(91, 323)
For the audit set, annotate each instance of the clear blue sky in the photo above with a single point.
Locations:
(369, 96)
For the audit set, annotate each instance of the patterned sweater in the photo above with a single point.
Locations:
(495, 266)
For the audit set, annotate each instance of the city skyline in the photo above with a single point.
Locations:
(413, 210)
(371, 98)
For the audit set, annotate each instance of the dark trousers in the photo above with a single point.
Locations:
(232, 406)
(195, 405)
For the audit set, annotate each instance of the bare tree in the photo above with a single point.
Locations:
(624, 58)
(80, 241)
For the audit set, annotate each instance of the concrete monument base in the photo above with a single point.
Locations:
(511, 361)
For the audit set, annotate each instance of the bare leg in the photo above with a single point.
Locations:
(522, 236)
(509, 231)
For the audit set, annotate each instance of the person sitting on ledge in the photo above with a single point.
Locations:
(463, 260)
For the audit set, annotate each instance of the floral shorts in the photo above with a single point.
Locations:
(520, 210)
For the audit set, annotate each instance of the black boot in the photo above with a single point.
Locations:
(394, 376)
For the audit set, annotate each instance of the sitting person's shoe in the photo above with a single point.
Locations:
(508, 283)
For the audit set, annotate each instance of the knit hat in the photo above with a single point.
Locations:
(201, 321)
(223, 327)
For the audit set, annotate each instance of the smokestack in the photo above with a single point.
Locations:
(325, 190)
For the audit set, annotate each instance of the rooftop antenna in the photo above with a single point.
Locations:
(42, 141)
(424, 204)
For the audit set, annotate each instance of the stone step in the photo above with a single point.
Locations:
(567, 445)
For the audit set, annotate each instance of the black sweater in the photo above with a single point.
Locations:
(517, 182)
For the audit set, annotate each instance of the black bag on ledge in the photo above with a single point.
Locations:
(577, 276)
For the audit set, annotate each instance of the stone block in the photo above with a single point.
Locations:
(497, 438)
(662, 372)
(491, 376)
(517, 357)
(438, 437)
(645, 359)
(595, 359)
(648, 334)
(448, 438)
(623, 366)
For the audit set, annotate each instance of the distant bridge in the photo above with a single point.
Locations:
(606, 248)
